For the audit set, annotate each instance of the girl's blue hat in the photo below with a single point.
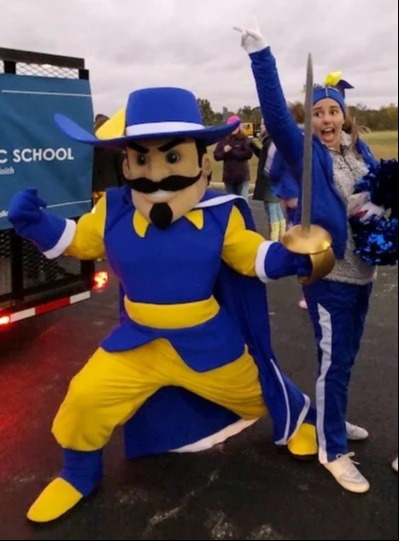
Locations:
(334, 88)
(322, 92)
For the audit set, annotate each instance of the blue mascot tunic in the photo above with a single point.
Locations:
(166, 269)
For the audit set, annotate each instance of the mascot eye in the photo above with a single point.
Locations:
(172, 157)
(141, 160)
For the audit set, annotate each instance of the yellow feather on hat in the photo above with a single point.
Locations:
(114, 127)
(333, 78)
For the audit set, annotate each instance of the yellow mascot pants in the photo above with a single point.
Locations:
(111, 387)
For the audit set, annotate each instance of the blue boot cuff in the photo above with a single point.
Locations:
(82, 469)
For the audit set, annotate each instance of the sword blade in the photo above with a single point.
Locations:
(307, 152)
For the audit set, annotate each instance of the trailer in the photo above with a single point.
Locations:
(33, 152)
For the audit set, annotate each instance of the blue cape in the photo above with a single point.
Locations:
(174, 417)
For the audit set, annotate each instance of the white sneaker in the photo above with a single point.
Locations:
(355, 433)
(303, 304)
(347, 475)
(395, 464)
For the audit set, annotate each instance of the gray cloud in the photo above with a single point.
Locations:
(129, 44)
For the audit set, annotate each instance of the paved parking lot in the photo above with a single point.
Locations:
(243, 489)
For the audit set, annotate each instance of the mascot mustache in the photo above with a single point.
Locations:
(173, 183)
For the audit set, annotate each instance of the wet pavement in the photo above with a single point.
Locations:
(244, 489)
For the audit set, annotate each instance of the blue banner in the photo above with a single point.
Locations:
(33, 150)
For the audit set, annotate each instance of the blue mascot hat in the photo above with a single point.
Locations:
(154, 113)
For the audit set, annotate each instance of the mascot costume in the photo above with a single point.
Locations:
(191, 355)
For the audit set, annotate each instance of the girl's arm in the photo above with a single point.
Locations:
(280, 124)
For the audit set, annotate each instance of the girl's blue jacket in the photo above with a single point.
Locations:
(328, 208)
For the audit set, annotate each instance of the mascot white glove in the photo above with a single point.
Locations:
(251, 39)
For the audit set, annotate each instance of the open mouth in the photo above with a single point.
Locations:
(328, 132)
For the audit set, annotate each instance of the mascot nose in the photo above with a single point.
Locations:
(156, 171)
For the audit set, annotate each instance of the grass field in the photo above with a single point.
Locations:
(383, 144)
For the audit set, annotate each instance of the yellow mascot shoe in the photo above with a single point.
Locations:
(56, 499)
(303, 445)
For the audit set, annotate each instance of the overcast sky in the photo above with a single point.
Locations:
(129, 44)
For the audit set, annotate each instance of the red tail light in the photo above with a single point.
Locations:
(100, 280)
(5, 320)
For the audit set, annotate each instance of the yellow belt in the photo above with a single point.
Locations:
(172, 316)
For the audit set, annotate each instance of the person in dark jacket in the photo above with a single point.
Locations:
(107, 165)
(263, 187)
(234, 150)
(337, 304)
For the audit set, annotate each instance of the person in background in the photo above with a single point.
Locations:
(234, 151)
(107, 165)
(337, 304)
(285, 185)
(263, 187)
(289, 189)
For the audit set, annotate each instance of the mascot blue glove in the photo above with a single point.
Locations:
(280, 262)
(26, 213)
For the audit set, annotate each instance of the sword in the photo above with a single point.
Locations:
(308, 150)
(306, 238)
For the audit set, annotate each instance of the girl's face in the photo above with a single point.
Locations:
(328, 119)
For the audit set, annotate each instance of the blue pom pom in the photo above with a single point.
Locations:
(363, 185)
(376, 241)
(382, 184)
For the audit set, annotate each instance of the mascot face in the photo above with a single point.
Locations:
(168, 177)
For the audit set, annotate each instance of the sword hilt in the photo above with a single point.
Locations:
(315, 242)
(308, 239)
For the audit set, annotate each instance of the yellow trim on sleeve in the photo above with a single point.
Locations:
(88, 242)
(241, 245)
